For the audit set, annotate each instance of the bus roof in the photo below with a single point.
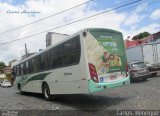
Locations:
(102, 29)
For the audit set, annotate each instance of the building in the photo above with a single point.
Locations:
(2, 77)
(52, 38)
(133, 43)
(6, 70)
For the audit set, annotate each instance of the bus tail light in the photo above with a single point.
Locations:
(93, 73)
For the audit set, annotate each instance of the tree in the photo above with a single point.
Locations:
(8, 77)
(141, 36)
(2, 65)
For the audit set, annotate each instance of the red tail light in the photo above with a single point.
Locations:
(93, 73)
(126, 69)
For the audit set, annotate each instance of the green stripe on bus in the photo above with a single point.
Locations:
(38, 77)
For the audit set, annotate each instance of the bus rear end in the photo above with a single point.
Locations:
(107, 62)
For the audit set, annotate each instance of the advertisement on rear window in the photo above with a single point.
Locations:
(106, 51)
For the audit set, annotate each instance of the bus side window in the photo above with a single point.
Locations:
(56, 57)
(50, 59)
(21, 69)
(18, 70)
(27, 67)
(59, 56)
(77, 49)
(14, 72)
(24, 68)
(72, 51)
(42, 62)
(68, 46)
(36, 64)
(46, 60)
(76, 43)
(30, 66)
(67, 57)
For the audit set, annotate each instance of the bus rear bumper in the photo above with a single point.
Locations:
(95, 87)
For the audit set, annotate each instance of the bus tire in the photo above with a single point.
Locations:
(46, 92)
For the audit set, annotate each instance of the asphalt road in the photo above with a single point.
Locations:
(139, 95)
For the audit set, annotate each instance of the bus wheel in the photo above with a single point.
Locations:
(46, 92)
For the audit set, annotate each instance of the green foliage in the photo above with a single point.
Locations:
(2, 65)
(141, 35)
(8, 77)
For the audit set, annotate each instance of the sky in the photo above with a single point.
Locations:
(130, 20)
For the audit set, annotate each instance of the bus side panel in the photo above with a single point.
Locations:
(66, 84)
(33, 86)
(71, 79)
(32, 82)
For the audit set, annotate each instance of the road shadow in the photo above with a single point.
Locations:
(28, 94)
(82, 102)
(88, 102)
(155, 76)
(143, 81)
(138, 81)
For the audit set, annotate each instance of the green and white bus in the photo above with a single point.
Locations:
(91, 60)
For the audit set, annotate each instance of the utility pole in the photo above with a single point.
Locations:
(26, 50)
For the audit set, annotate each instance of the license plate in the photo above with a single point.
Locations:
(113, 77)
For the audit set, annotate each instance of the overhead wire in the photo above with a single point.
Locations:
(72, 22)
(46, 17)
